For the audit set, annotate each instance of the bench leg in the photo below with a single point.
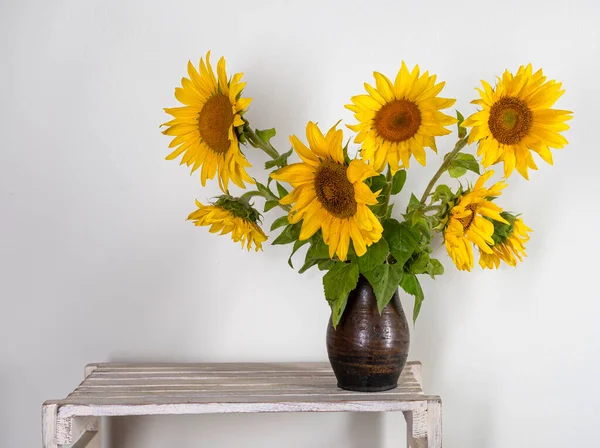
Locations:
(86, 432)
(49, 418)
(78, 432)
(424, 427)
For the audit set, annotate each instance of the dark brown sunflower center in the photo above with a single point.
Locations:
(468, 220)
(334, 190)
(214, 121)
(510, 120)
(398, 120)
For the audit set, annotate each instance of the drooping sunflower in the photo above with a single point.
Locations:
(467, 224)
(204, 127)
(398, 120)
(516, 118)
(329, 194)
(509, 243)
(230, 215)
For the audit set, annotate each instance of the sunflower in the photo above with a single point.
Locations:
(230, 215)
(509, 244)
(468, 223)
(516, 118)
(400, 119)
(329, 194)
(204, 127)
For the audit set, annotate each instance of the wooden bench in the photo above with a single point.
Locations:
(115, 389)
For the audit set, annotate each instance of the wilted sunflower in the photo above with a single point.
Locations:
(400, 119)
(468, 225)
(229, 215)
(509, 244)
(330, 195)
(516, 118)
(204, 128)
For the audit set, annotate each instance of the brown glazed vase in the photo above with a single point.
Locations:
(367, 350)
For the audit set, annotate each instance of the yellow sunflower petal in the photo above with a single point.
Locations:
(358, 171)
(295, 174)
(396, 121)
(517, 116)
(203, 129)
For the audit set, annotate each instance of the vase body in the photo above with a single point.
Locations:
(368, 350)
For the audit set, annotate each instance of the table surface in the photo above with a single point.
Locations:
(117, 389)
(151, 389)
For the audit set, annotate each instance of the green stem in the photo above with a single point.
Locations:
(251, 194)
(268, 196)
(445, 164)
(388, 191)
(432, 207)
(257, 142)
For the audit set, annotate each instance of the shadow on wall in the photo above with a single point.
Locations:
(356, 430)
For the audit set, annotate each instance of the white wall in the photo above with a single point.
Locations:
(98, 264)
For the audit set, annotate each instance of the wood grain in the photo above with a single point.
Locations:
(178, 389)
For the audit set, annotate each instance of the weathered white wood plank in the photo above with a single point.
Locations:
(239, 407)
(49, 418)
(259, 401)
(89, 369)
(329, 386)
(208, 382)
(434, 423)
(71, 430)
(88, 440)
(193, 394)
(171, 389)
(86, 432)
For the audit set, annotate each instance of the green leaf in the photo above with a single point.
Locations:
(503, 231)
(316, 253)
(279, 161)
(375, 256)
(347, 158)
(318, 250)
(460, 118)
(411, 285)
(279, 222)
(417, 308)
(297, 245)
(467, 161)
(337, 283)
(420, 265)
(266, 134)
(281, 190)
(378, 183)
(402, 239)
(289, 234)
(337, 309)
(307, 265)
(389, 212)
(416, 217)
(398, 181)
(456, 171)
(262, 188)
(442, 192)
(435, 268)
(270, 204)
(462, 131)
(384, 280)
(414, 203)
(325, 265)
(423, 226)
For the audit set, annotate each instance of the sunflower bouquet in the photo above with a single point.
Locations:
(340, 206)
